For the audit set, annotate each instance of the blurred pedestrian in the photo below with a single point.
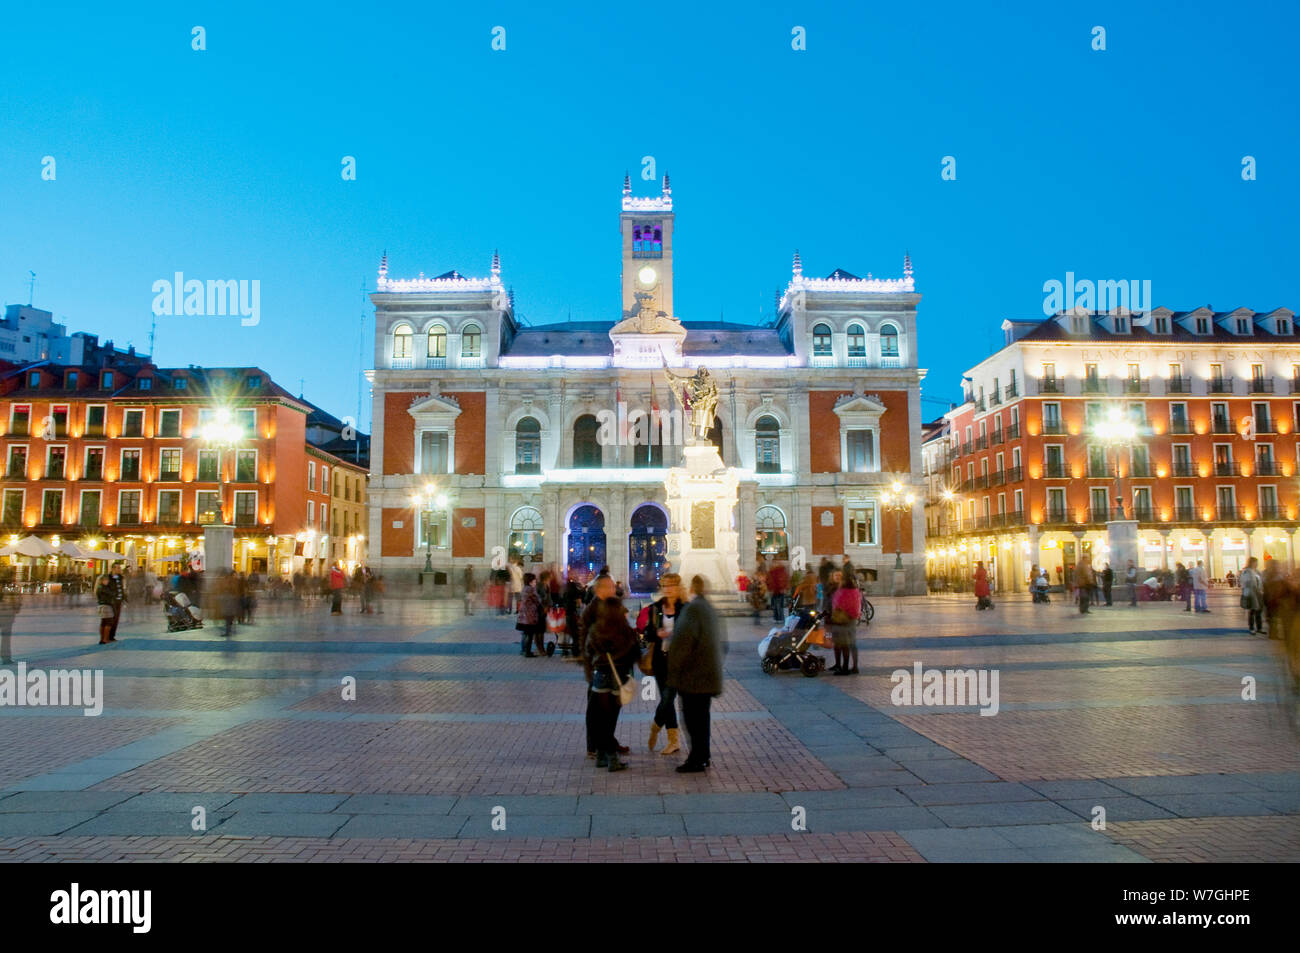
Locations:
(529, 617)
(1085, 581)
(695, 671)
(11, 603)
(612, 649)
(657, 635)
(982, 587)
(1252, 596)
(778, 579)
(1107, 584)
(1200, 586)
(337, 582)
(846, 606)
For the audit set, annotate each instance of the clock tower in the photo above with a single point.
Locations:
(646, 225)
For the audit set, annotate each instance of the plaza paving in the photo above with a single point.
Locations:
(1138, 711)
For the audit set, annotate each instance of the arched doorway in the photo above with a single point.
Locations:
(527, 535)
(647, 548)
(586, 542)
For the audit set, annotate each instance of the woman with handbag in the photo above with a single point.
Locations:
(656, 635)
(612, 649)
(1252, 595)
(846, 606)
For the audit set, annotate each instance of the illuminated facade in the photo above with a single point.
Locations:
(111, 452)
(1208, 469)
(491, 437)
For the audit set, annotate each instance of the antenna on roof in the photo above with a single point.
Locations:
(153, 327)
(300, 388)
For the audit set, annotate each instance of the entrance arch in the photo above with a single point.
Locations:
(585, 539)
(647, 548)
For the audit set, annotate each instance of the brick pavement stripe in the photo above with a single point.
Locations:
(38, 824)
(288, 803)
(637, 825)
(422, 826)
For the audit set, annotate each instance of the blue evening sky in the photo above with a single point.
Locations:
(226, 163)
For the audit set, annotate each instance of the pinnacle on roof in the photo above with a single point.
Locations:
(907, 265)
(496, 263)
(668, 189)
(627, 184)
(383, 265)
(798, 264)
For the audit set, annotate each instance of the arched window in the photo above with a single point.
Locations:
(769, 533)
(438, 343)
(527, 534)
(822, 341)
(857, 341)
(471, 341)
(402, 342)
(586, 441)
(767, 445)
(528, 446)
(888, 341)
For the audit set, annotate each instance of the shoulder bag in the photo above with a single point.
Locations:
(626, 689)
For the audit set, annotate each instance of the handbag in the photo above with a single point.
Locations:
(105, 612)
(626, 690)
(646, 662)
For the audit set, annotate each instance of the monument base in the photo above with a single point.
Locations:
(1122, 538)
(701, 501)
(218, 547)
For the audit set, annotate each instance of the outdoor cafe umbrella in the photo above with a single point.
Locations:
(32, 546)
(73, 551)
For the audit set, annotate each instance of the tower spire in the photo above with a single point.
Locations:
(798, 264)
(627, 183)
(496, 264)
(383, 265)
(668, 189)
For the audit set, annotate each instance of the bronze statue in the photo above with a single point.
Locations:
(698, 394)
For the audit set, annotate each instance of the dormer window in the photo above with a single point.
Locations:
(146, 383)
(1202, 325)
(1078, 324)
(180, 383)
(255, 381)
(1162, 325)
(34, 379)
(1283, 326)
(1243, 325)
(1121, 325)
(106, 380)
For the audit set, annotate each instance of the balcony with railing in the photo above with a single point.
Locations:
(1140, 468)
(980, 405)
(1100, 470)
(1094, 385)
(1261, 385)
(1266, 468)
(1221, 385)
(1180, 427)
(1144, 514)
(1053, 428)
(1264, 424)
(1010, 391)
(1050, 385)
(1229, 514)
(967, 448)
(1014, 474)
(996, 437)
(1013, 432)
(1183, 468)
(1134, 385)
(1178, 385)
(982, 442)
(1056, 517)
(1187, 514)
(1271, 511)
(998, 478)
(1295, 385)
(1221, 425)
(1227, 468)
(1099, 514)
(402, 363)
(994, 397)
(432, 363)
(1054, 471)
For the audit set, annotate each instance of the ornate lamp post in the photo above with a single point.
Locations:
(429, 501)
(894, 501)
(221, 433)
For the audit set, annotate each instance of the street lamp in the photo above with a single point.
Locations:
(222, 433)
(896, 502)
(431, 501)
(1116, 431)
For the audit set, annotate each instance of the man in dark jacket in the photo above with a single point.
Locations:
(695, 671)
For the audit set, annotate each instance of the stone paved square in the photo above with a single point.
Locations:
(455, 748)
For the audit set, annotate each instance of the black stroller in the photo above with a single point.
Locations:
(788, 646)
(180, 614)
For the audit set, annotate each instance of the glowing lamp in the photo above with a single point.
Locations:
(647, 276)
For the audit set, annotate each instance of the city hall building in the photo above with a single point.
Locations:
(553, 442)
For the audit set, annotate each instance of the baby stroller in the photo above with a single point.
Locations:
(180, 614)
(787, 646)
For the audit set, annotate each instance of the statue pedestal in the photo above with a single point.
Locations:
(218, 547)
(701, 500)
(1122, 538)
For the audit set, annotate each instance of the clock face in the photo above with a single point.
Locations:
(647, 276)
